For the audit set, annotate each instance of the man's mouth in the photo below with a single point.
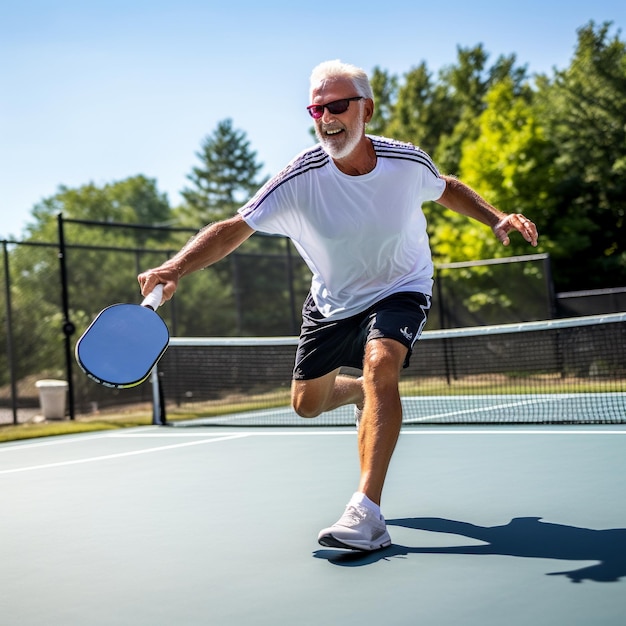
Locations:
(333, 131)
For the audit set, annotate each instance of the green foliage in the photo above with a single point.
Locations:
(224, 181)
(385, 88)
(97, 275)
(465, 86)
(554, 149)
(509, 165)
(134, 200)
(413, 108)
(94, 274)
(583, 110)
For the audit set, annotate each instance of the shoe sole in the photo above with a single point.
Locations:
(329, 541)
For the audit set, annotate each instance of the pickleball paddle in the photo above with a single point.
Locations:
(124, 343)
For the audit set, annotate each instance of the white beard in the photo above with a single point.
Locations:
(340, 150)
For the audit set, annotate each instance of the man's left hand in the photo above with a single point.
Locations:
(515, 221)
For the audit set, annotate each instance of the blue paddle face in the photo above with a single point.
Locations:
(122, 345)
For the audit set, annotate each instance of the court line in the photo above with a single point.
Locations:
(517, 431)
(478, 409)
(506, 401)
(303, 431)
(57, 440)
(297, 433)
(119, 455)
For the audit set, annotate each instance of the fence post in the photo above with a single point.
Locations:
(550, 292)
(295, 326)
(10, 350)
(68, 326)
(234, 264)
(442, 323)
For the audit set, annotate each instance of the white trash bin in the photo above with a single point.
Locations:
(52, 397)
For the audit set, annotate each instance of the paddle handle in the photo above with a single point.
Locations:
(153, 299)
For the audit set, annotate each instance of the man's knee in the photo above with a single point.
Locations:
(306, 405)
(383, 359)
(310, 398)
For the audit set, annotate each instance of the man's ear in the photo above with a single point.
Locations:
(368, 110)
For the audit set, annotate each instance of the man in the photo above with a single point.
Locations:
(352, 207)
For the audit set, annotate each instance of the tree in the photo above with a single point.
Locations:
(509, 164)
(466, 84)
(134, 200)
(418, 112)
(384, 87)
(584, 113)
(98, 275)
(224, 181)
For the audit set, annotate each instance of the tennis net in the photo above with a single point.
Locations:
(556, 371)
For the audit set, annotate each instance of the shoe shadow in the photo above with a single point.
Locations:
(527, 537)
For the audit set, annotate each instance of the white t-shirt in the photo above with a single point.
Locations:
(363, 237)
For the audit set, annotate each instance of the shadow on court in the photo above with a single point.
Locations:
(522, 536)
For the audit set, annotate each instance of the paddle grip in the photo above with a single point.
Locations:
(153, 299)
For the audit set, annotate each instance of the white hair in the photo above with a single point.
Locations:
(338, 69)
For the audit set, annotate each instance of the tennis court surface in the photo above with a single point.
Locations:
(491, 525)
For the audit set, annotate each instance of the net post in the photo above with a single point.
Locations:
(158, 415)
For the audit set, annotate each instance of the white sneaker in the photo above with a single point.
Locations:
(357, 529)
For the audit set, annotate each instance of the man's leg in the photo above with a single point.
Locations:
(382, 413)
(362, 525)
(312, 397)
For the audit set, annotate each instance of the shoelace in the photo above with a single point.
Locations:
(353, 515)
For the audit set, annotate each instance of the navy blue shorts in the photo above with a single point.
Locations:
(326, 345)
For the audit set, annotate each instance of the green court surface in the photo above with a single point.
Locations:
(510, 525)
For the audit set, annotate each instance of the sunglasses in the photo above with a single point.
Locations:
(335, 108)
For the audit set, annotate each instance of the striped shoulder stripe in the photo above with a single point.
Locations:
(394, 149)
(311, 159)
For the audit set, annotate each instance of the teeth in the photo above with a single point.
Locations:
(333, 132)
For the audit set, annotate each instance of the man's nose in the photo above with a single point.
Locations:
(327, 116)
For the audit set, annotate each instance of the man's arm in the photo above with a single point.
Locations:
(210, 245)
(458, 197)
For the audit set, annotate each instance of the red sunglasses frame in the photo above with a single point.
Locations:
(336, 107)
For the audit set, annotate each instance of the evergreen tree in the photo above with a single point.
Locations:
(225, 179)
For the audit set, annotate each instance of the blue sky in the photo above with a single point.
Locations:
(97, 91)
